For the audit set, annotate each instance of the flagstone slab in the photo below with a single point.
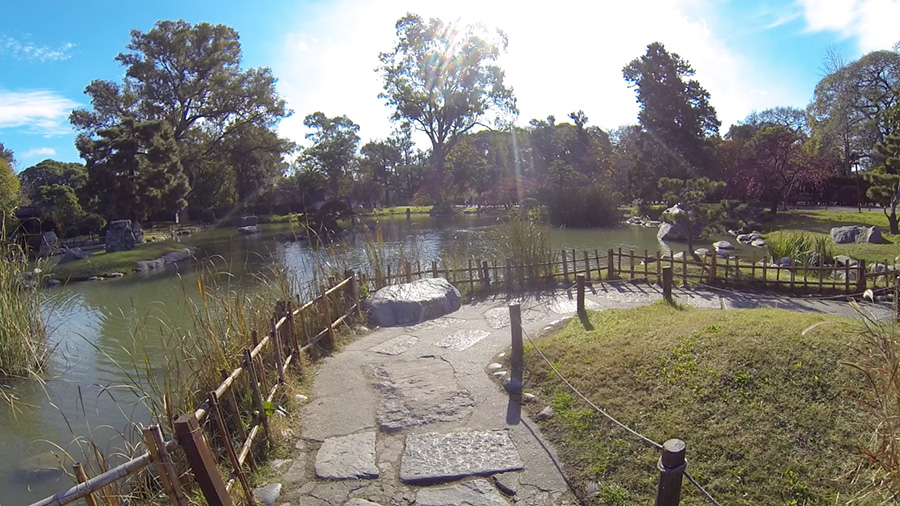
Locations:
(462, 340)
(396, 345)
(439, 457)
(471, 493)
(418, 392)
(349, 457)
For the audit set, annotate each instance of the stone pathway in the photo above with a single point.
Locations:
(412, 416)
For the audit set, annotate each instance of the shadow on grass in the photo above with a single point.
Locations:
(585, 321)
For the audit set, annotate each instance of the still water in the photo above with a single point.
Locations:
(82, 394)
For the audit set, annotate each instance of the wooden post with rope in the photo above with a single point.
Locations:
(671, 467)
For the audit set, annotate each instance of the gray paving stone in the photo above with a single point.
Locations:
(462, 339)
(562, 304)
(433, 456)
(498, 317)
(396, 345)
(442, 323)
(471, 493)
(347, 457)
(418, 392)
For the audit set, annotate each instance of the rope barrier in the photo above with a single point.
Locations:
(612, 419)
(621, 425)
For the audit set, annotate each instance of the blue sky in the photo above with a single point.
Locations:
(563, 55)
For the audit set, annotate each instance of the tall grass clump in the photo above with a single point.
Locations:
(23, 344)
(526, 243)
(879, 363)
(806, 250)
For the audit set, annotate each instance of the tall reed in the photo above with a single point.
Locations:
(879, 363)
(23, 343)
(526, 243)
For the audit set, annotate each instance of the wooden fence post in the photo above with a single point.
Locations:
(516, 360)
(587, 267)
(434, 269)
(353, 291)
(712, 268)
(82, 477)
(610, 265)
(257, 396)
(861, 276)
(201, 460)
(407, 271)
(667, 283)
(326, 307)
(509, 275)
(579, 283)
(162, 461)
(565, 266)
(671, 470)
(485, 276)
(276, 341)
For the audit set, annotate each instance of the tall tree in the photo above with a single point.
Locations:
(773, 162)
(849, 107)
(441, 78)
(134, 169)
(674, 110)
(885, 179)
(190, 77)
(334, 148)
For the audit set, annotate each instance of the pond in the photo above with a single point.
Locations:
(84, 392)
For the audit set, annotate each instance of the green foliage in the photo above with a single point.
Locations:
(9, 188)
(134, 169)
(62, 207)
(806, 249)
(572, 200)
(51, 172)
(440, 78)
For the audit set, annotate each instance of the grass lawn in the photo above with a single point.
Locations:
(100, 262)
(768, 414)
(820, 223)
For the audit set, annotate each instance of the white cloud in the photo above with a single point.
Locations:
(873, 23)
(560, 59)
(29, 51)
(38, 152)
(36, 112)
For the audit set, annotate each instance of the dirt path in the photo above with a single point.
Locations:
(415, 416)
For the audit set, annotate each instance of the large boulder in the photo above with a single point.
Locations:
(414, 302)
(672, 232)
(49, 244)
(71, 255)
(119, 236)
(856, 234)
